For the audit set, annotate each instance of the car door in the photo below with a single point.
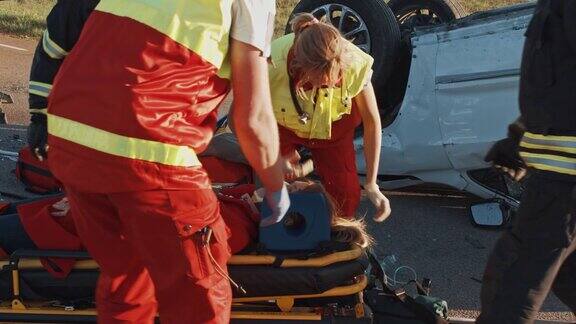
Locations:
(477, 78)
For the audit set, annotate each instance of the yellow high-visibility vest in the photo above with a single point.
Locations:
(202, 26)
(332, 103)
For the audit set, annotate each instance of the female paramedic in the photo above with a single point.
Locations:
(321, 92)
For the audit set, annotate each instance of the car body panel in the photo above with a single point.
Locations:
(461, 95)
(477, 76)
(413, 142)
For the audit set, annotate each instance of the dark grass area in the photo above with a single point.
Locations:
(23, 18)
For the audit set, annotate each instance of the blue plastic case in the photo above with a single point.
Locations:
(306, 224)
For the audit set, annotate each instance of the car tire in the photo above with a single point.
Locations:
(438, 11)
(383, 32)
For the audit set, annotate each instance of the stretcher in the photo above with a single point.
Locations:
(326, 285)
(278, 289)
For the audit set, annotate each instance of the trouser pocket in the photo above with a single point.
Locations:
(206, 250)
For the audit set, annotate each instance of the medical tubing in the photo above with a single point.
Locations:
(217, 267)
(404, 267)
(389, 265)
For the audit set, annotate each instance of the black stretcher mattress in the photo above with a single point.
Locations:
(258, 281)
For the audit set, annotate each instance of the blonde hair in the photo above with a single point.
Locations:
(351, 231)
(342, 229)
(319, 53)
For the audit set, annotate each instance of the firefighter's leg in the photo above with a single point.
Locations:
(503, 255)
(125, 293)
(186, 264)
(526, 260)
(336, 166)
(565, 285)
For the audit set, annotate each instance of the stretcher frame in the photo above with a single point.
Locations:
(265, 309)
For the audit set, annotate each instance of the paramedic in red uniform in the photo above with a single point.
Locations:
(132, 105)
(321, 92)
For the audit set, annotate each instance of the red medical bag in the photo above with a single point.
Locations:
(34, 174)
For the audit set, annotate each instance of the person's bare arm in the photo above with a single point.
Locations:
(252, 114)
(366, 102)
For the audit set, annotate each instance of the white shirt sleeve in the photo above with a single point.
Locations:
(253, 23)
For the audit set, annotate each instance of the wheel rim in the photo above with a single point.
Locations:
(348, 22)
(417, 17)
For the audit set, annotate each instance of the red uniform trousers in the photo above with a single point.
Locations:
(334, 160)
(153, 256)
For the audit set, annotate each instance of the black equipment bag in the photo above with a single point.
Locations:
(398, 307)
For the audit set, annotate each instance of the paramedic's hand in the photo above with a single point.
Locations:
(293, 169)
(279, 203)
(506, 157)
(61, 208)
(38, 136)
(379, 201)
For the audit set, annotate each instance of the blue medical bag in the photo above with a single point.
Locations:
(306, 224)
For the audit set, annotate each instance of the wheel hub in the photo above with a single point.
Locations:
(348, 22)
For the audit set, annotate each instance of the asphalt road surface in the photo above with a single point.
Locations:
(15, 60)
(429, 231)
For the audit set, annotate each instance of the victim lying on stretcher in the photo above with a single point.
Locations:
(47, 223)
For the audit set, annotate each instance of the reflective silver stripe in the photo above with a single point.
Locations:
(550, 140)
(550, 162)
(51, 48)
(39, 88)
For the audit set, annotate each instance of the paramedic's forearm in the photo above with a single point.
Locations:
(258, 137)
(252, 115)
(366, 102)
(372, 143)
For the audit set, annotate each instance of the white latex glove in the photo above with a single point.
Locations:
(379, 201)
(279, 203)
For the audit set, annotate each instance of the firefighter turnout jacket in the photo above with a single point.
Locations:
(548, 90)
(63, 27)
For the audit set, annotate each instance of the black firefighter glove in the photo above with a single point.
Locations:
(505, 154)
(38, 135)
